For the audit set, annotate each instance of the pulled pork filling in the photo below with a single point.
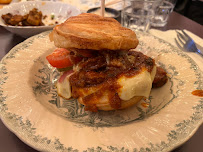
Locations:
(102, 71)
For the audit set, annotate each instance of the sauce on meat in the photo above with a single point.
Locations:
(160, 78)
(102, 72)
(198, 93)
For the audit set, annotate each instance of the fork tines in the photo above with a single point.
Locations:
(184, 41)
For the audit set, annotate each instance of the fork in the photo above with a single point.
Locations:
(186, 43)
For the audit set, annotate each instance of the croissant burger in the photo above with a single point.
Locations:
(97, 64)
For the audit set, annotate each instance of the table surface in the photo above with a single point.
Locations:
(10, 142)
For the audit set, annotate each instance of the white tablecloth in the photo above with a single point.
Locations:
(170, 36)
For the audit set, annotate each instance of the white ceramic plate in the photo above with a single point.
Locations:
(61, 12)
(30, 107)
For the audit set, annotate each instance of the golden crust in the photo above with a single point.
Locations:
(91, 31)
(124, 104)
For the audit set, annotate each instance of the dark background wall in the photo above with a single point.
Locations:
(192, 9)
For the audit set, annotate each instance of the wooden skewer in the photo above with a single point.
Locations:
(102, 7)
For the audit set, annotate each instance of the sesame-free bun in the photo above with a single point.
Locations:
(93, 32)
(124, 104)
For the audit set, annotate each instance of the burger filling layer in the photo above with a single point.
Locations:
(109, 77)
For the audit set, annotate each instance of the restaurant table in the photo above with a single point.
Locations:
(10, 142)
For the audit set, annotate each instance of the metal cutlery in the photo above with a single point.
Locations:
(185, 42)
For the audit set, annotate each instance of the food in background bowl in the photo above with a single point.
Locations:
(98, 65)
(53, 12)
(33, 18)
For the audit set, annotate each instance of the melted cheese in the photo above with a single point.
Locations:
(64, 88)
(138, 85)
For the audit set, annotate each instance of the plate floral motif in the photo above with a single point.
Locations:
(30, 107)
(45, 78)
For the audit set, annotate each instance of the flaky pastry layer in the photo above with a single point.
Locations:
(91, 31)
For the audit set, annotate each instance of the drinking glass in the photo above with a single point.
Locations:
(138, 14)
(162, 13)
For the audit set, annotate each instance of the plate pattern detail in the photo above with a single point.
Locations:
(45, 81)
(43, 86)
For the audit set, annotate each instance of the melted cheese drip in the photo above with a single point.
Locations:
(138, 85)
(64, 88)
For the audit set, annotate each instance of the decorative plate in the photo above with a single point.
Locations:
(30, 107)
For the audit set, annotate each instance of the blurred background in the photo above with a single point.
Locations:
(193, 9)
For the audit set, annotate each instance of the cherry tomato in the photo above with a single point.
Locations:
(60, 58)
